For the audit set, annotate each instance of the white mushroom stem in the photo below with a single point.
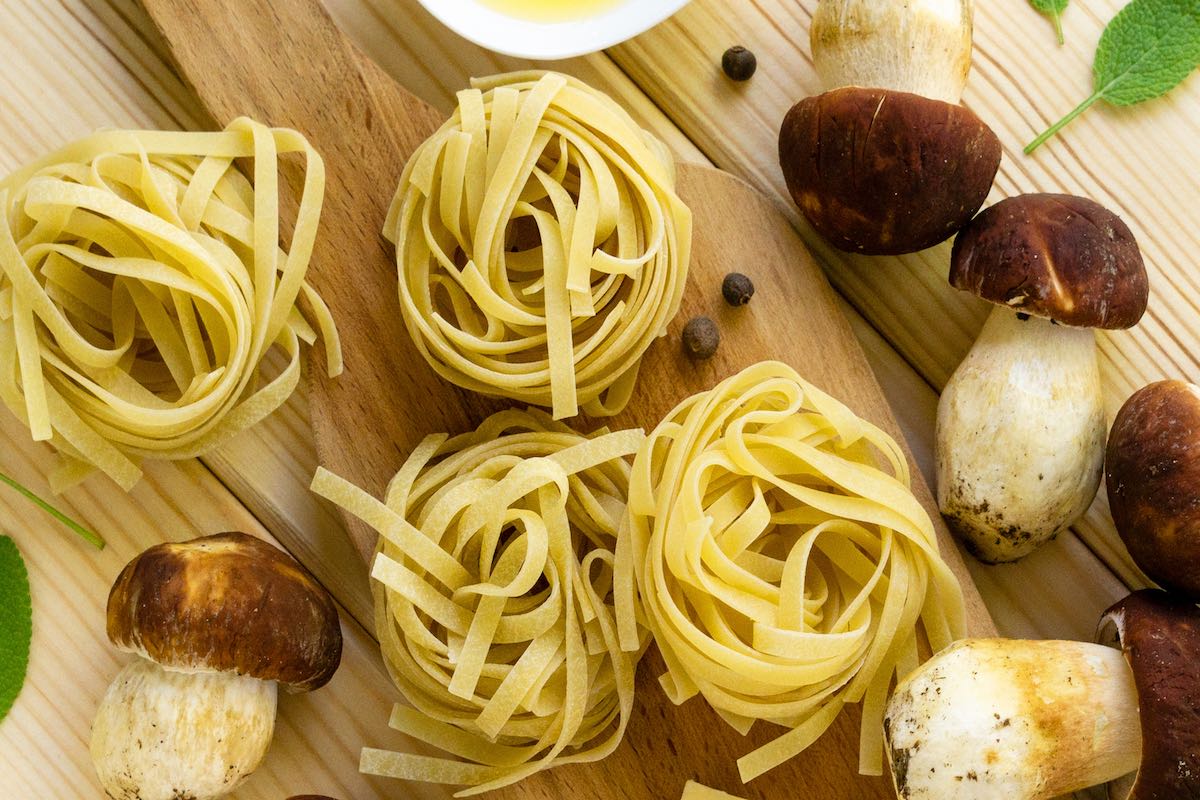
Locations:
(917, 46)
(1019, 720)
(1020, 435)
(162, 735)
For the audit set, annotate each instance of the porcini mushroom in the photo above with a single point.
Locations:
(1020, 425)
(1030, 720)
(1153, 476)
(217, 623)
(887, 161)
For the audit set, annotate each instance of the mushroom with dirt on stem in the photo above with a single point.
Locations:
(217, 622)
(1020, 425)
(1034, 720)
(887, 160)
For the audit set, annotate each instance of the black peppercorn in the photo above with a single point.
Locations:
(701, 337)
(739, 63)
(737, 289)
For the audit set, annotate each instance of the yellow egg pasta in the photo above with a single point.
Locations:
(781, 561)
(698, 791)
(494, 588)
(540, 244)
(141, 286)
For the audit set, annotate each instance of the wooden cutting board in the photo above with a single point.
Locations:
(285, 63)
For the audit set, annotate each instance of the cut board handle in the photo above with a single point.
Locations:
(286, 62)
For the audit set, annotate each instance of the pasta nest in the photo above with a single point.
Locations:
(782, 560)
(540, 244)
(494, 598)
(141, 286)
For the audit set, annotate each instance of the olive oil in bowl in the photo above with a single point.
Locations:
(553, 10)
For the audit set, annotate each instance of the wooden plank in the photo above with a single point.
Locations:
(1137, 161)
(107, 38)
(402, 37)
(387, 400)
(106, 70)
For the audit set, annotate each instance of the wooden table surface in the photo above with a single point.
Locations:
(71, 66)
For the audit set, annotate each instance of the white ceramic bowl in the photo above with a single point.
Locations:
(515, 36)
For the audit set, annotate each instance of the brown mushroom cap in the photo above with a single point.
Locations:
(1160, 637)
(1152, 469)
(884, 172)
(1054, 255)
(227, 603)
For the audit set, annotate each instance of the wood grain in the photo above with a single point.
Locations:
(1138, 161)
(72, 66)
(692, 94)
(268, 468)
(388, 399)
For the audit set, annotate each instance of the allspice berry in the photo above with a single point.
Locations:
(701, 337)
(739, 63)
(737, 289)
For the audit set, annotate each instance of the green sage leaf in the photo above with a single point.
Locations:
(16, 624)
(1147, 50)
(1053, 9)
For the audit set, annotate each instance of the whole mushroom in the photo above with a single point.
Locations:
(217, 623)
(887, 161)
(1033, 720)
(1153, 476)
(1020, 424)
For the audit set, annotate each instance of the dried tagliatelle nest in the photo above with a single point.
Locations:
(540, 244)
(142, 284)
(494, 599)
(782, 561)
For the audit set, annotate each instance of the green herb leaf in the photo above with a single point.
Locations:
(91, 537)
(16, 624)
(1054, 9)
(1146, 51)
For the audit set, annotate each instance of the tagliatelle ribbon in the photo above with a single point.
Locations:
(782, 561)
(141, 286)
(494, 589)
(540, 244)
